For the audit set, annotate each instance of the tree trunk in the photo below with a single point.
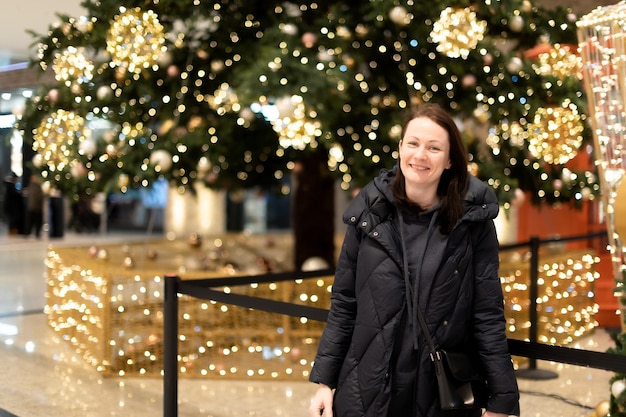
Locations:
(313, 209)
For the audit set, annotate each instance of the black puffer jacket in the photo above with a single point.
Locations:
(462, 303)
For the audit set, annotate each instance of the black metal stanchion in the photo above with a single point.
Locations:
(170, 346)
(532, 372)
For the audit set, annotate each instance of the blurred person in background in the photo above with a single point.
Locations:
(13, 204)
(34, 213)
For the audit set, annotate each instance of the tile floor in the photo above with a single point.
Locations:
(40, 376)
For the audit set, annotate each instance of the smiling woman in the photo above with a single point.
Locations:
(420, 238)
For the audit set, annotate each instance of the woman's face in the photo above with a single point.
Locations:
(424, 153)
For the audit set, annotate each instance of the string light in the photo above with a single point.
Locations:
(601, 36)
(107, 302)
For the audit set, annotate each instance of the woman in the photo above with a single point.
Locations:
(419, 236)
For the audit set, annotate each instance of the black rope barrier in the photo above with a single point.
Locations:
(599, 360)
(572, 356)
(263, 304)
(262, 278)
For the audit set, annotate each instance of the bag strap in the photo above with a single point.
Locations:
(433, 353)
(424, 327)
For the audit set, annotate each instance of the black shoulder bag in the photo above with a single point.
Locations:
(460, 383)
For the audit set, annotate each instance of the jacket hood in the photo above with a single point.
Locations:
(480, 201)
(376, 197)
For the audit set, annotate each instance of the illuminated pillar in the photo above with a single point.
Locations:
(602, 37)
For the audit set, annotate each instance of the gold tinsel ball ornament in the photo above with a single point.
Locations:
(457, 32)
(135, 39)
(555, 134)
(559, 61)
(72, 66)
(57, 138)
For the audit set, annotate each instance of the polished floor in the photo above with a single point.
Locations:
(40, 376)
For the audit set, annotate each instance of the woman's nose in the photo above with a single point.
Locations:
(420, 152)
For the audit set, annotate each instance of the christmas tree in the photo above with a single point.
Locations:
(240, 93)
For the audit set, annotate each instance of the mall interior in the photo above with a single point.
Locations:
(81, 305)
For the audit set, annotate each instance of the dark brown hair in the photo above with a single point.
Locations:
(453, 183)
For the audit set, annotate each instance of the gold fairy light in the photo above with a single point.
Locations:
(111, 312)
(57, 137)
(135, 39)
(565, 302)
(555, 134)
(72, 66)
(335, 157)
(457, 32)
(560, 62)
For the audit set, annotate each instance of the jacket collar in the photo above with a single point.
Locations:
(375, 199)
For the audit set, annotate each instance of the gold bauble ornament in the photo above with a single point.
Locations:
(309, 39)
(619, 385)
(194, 240)
(516, 23)
(129, 262)
(399, 16)
(602, 409)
